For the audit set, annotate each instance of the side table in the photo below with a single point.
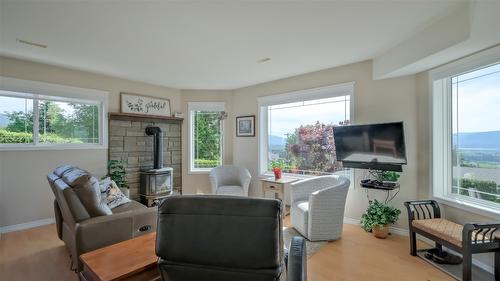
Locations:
(277, 187)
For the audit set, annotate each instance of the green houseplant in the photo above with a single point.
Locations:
(117, 173)
(377, 218)
(386, 176)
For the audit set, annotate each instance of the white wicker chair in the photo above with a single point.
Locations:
(230, 180)
(317, 207)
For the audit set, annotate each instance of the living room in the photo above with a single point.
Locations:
(259, 74)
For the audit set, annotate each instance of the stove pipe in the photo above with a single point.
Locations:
(157, 146)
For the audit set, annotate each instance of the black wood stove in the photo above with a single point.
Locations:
(156, 182)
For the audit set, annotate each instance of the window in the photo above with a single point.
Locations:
(298, 129)
(16, 120)
(206, 135)
(466, 130)
(29, 118)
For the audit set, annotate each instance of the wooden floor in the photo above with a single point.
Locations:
(37, 254)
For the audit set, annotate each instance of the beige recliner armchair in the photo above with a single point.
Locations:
(86, 224)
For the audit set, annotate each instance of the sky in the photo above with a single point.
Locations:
(477, 97)
(285, 119)
(10, 104)
(13, 104)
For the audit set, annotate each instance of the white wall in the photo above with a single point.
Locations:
(374, 101)
(24, 192)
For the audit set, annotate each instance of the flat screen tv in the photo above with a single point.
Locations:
(373, 146)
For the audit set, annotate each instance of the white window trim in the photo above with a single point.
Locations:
(440, 133)
(202, 106)
(301, 95)
(40, 90)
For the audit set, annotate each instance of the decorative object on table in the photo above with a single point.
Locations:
(117, 173)
(145, 105)
(277, 168)
(377, 218)
(317, 206)
(111, 193)
(245, 126)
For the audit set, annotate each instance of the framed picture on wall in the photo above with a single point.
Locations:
(145, 105)
(245, 126)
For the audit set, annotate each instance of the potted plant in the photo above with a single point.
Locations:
(387, 176)
(117, 172)
(277, 167)
(377, 218)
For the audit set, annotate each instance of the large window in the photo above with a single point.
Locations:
(33, 119)
(299, 129)
(466, 129)
(476, 133)
(206, 135)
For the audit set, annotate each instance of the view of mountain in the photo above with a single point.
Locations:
(479, 140)
(277, 142)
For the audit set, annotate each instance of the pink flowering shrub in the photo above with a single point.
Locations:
(312, 148)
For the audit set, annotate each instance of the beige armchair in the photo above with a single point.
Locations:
(84, 223)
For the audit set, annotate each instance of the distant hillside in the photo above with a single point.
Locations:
(4, 121)
(485, 140)
(276, 142)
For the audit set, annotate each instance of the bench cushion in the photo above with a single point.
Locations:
(442, 228)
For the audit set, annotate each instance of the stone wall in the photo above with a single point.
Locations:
(128, 142)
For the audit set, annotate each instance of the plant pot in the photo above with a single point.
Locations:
(277, 173)
(381, 231)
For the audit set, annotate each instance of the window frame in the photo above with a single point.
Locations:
(202, 106)
(264, 102)
(46, 91)
(440, 110)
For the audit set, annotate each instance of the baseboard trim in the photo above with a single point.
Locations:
(27, 225)
(404, 232)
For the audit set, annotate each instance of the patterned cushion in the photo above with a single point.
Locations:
(450, 231)
(111, 193)
(442, 228)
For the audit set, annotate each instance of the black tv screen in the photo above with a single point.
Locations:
(373, 146)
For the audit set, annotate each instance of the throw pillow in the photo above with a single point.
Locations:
(111, 193)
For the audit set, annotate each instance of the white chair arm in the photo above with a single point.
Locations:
(213, 181)
(245, 179)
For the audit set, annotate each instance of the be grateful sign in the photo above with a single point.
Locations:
(146, 105)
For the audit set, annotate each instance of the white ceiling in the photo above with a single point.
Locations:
(210, 44)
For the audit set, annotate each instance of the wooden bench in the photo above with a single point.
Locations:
(424, 218)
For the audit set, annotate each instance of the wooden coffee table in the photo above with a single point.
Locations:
(134, 259)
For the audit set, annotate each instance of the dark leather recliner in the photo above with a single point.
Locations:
(213, 238)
